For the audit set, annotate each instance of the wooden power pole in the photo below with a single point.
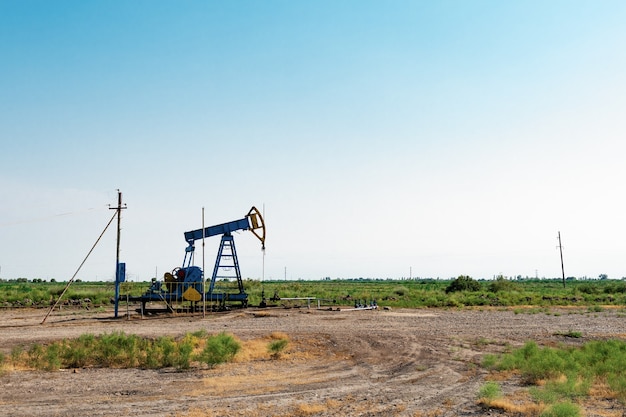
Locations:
(561, 251)
(117, 253)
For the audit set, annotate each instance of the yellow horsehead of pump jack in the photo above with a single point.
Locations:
(257, 225)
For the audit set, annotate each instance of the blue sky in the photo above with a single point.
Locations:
(383, 139)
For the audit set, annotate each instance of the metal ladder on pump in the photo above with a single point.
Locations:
(226, 261)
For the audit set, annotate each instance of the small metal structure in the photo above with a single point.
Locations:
(186, 283)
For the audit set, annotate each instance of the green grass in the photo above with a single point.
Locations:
(119, 350)
(490, 391)
(276, 347)
(219, 349)
(416, 293)
(561, 376)
(44, 294)
(564, 409)
(542, 294)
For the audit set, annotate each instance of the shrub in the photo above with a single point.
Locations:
(118, 350)
(200, 334)
(76, 355)
(564, 409)
(502, 284)
(490, 391)
(276, 347)
(463, 283)
(183, 358)
(565, 374)
(219, 349)
(588, 289)
(16, 354)
(401, 291)
(52, 357)
(489, 361)
(161, 353)
(35, 356)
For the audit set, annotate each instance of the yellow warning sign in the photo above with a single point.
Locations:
(192, 295)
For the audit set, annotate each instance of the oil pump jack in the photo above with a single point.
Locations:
(185, 283)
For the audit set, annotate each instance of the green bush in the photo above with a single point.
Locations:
(401, 291)
(183, 357)
(76, 356)
(502, 284)
(489, 361)
(567, 373)
(564, 409)
(219, 349)
(36, 356)
(463, 283)
(161, 353)
(119, 350)
(490, 391)
(53, 357)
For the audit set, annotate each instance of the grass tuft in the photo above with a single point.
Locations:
(489, 392)
(276, 347)
(564, 409)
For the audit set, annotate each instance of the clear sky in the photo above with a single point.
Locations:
(381, 138)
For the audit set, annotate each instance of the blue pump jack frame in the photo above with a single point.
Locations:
(226, 259)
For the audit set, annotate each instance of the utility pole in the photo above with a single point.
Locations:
(119, 209)
(203, 276)
(561, 250)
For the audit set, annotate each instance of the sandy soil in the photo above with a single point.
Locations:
(339, 363)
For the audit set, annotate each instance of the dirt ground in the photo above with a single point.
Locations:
(338, 363)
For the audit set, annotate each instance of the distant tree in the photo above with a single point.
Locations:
(463, 283)
(603, 276)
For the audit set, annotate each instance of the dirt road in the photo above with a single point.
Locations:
(339, 363)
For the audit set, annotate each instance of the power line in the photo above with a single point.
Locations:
(52, 216)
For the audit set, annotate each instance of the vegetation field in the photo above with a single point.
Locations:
(460, 292)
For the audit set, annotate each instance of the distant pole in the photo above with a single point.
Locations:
(561, 251)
